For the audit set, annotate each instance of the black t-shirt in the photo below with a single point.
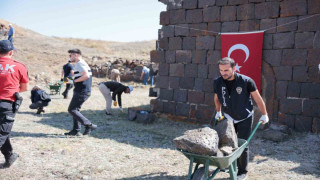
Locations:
(230, 85)
(67, 70)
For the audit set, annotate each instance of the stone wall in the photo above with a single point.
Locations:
(188, 52)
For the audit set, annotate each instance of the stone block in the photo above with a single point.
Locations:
(272, 57)
(175, 43)
(245, 12)
(293, 89)
(303, 124)
(176, 70)
(286, 119)
(291, 106)
(283, 73)
(313, 57)
(293, 8)
(206, 3)
(228, 13)
(173, 4)
(250, 25)
(283, 40)
(211, 14)
(191, 70)
(183, 56)
(200, 29)
(169, 107)
(310, 90)
(304, 40)
(217, 46)
(213, 71)
(268, 82)
(174, 82)
(209, 99)
(166, 94)
(202, 70)
(267, 41)
(230, 26)
(313, 6)
(189, 43)
(221, 2)
(165, 18)
(199, 57)
(213, 57)
(316, 41)
(157, 56)
(267, 24)
(287, 24)
(163, 69)
(227, 134)
(163, 43)
(198, 84)
(316, 125)
(256, 1)
(194, 16)
(162, 81)
(177, 16)
(156, 105)
(313, 74)
(190, 4)
(214, 28)
(281, 89)
(181, 30)
(267, 10)
(195, 97)
(168, 31)
(300, 73)
(182, 109)
(307, 23)
(204, 113)
(186, 83)
(237, 2)
(170, 57)
(180, 95)
(294, 57)
(208, 85)
(311, 107)
(205, 42)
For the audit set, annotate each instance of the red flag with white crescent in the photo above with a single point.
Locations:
(246, 50)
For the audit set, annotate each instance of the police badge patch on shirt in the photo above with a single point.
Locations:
(239, 90)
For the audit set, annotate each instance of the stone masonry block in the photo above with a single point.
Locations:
(199, 57)
(177, 16)
(181, 30)
(294, 57)
(157, 56)
(287, 24)
(186, 83)
(316, 125)
(166, 94)
(309, 24)
(213, 28)
(176, 70)
(237, 2)
(221, 2)
(267, 41)
(156, 105)
(162, 81)
(165, 18)
(311, 107)
(245, 12)
(170, 57)
(313, 6)
(304, 40)
(163, 43)
(198, 29)
(281, 89)
(206, 3)
(293, 8)
(190, 4)
(283, 40)
(291, 106)
(205, 42)
(286, 119)
(303, 124)
(272, 57)
(211, 14)
(267, 24)
(202, 71)
(191, 70)
(175, 43)
(313, 74)
(173, 4)
(316, 41)
(163, 69)
(300, 73)
(208, 85)
(183, 56)
(204, 114)
(213, 71)
(189, 43)
(283, 73)
(293, 89)
(180, 95)
(213, 57)
(195, 97)
(169, 107)
(230, 26)
(194, 16)
(310, 90)
(198, 84)
(313, 57)
(267, 10)
(257, 1)
(174, 82)
(250, 25)
(168, 31)
(217, 46)
(182, 109)
(228, 13)
(209, 99)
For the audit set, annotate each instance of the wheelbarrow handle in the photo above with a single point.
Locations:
(254, 131)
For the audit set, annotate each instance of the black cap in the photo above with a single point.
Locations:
(6, 46)
(77, 51)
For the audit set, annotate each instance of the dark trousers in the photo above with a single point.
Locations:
(66, 91)
(38, 104)
(74, 109)
(243, 130)
(6, 123)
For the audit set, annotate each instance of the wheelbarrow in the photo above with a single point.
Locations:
(55, 87)
(225, 164)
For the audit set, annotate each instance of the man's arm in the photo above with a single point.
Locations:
(258, 99)
(84, 76)
(62, 74)
(23, 87)
(217, 102)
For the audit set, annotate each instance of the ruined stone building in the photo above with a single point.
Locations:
(188, 51)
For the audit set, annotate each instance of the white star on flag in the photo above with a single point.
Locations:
(238, 67)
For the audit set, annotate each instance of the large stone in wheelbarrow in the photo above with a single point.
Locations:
(200, 141)
(227, 134)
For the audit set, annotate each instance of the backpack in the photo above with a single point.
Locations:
(45, 97)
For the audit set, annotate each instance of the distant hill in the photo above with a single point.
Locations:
(45, 56)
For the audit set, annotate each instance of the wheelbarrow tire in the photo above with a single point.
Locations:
(199, 174)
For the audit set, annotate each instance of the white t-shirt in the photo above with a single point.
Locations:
(145, 69)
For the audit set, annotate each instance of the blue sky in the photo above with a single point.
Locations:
(112, 20)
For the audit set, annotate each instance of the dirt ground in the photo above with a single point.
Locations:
(121, 149)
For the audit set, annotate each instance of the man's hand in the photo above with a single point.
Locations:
(121, 110)
(218, 115)
(264, 119)
(115, 103)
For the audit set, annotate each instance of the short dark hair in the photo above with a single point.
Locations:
(226, 60)
(76, 51)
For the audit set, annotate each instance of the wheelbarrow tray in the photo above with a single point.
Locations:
(55, 88)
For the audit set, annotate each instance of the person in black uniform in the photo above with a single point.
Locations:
(66, 76)
(39, 99)
(117, 88)
(232, 96)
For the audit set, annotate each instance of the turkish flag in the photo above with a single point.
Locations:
(246, 50)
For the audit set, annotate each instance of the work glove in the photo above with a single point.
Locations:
(121, 109)
(115, 103)
(264, 119)
(218, 115)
